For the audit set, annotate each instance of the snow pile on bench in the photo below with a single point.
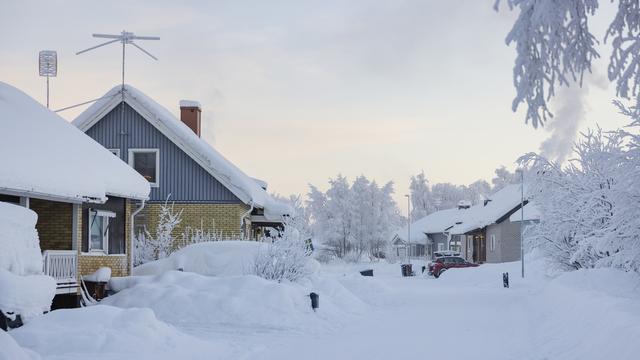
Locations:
(107, 332)
(24, 290)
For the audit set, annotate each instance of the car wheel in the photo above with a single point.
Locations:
(441, 271)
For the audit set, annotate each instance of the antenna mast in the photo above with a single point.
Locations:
(125, 38)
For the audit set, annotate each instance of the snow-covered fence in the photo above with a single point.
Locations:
(61, 265)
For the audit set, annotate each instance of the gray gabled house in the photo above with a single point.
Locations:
(212, 193)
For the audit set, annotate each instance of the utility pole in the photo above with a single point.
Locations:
(408, 196)
(521, 171)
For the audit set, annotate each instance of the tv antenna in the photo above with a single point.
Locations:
(48, 66)
(125, 38)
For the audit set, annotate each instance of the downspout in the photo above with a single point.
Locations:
(245, 215)
(132, 236)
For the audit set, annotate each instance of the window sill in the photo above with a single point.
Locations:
(96, 253)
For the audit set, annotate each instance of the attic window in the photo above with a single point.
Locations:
(147, 163)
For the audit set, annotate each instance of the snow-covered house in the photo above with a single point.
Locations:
(212, 193)
(487, 232)
(428, 234)
(81, 193)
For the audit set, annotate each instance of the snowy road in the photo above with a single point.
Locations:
(425, 320)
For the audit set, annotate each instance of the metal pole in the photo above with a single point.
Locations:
(522, 220)
(409, 229)
(47, 91)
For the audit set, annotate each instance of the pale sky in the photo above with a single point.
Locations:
(295, 92)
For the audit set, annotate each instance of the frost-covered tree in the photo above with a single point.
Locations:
(421, 199)
(589, 212)
(353, 220)
(149, 247)
(503, 178)
(555, 47)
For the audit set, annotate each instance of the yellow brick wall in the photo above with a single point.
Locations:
(54, 224)
(119, 264)
(222, 218)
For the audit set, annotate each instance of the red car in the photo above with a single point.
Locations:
(440, 265)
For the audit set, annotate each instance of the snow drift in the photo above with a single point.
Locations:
(112, 333)
(23, 288)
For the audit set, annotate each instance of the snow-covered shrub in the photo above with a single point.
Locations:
(150, 247)
(589, 209)
(24, 289)
(285, 256)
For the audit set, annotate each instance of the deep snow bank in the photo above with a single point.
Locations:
(217, 258)
(220, 258)
(10, 350)
(247, 301)
(108, 332)
(23, 288)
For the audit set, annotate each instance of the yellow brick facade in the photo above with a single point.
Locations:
(54, 224)
(119, 264)
(224, 219)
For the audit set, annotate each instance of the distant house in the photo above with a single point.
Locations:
(487, 232)
(212, 193)
(83, 196)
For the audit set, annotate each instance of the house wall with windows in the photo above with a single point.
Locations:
(178, 175)
(503, 242)
(173, 174)
(55, 228)
(115, 253)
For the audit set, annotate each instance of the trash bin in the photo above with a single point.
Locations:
(406, 270)
(315, 300)
(96, 289)
(368, 272)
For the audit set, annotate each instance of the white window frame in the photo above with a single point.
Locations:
(115, 152)
(440, 246)
(106, 215)
(132, 152)
(492, 242)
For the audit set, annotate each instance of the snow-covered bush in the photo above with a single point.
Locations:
(150, 247)
(285, 257)
(24, 289)
(589, 208)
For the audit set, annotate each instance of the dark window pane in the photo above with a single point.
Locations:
(145, 164)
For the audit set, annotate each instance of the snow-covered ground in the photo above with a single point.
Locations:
(588, 314)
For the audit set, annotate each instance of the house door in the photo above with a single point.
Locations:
(479, 248)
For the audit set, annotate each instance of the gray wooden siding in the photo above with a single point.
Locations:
(179, 176)
(507, 235)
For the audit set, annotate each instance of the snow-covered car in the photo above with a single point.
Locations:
(445, 263)
(443, 253)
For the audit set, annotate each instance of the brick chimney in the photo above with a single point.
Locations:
(190, 112)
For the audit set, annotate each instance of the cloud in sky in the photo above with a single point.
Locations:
(381, 88)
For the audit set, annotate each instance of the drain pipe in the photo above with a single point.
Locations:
(245, 215)
(132, 236)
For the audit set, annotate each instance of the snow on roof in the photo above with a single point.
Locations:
(481, 215)
(240, 184)
(433, 223)
(190, 103)
(460, 221)
(531, 213)
(45, 156)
